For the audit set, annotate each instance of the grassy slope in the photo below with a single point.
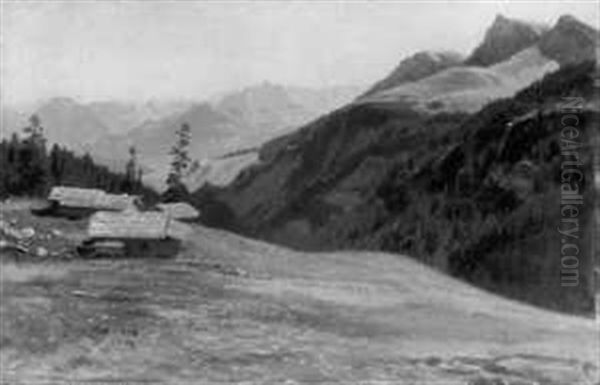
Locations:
(303, 317)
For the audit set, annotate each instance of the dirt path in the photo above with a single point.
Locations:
(231, 310)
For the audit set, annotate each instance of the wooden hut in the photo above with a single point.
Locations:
(75, 202)
(137, 234)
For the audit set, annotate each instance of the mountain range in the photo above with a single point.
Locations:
(512, 55)
(80, 125)
(237, 121)
(424, 164)
(240, 120)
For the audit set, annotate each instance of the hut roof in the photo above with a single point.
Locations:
(179, 210)
(144, 225)
(74, 196)
(117, 202)
(91, 198)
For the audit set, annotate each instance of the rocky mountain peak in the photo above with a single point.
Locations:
(567, 20)
(569, 41)
(416, 67)
(504, 38)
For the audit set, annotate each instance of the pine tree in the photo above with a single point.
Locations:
(130, 184)
(176, 190)
(56, 165)
(12, 179)
(32, 159)
(35, 131)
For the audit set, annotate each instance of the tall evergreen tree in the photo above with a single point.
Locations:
(57, 165)
(176, 190)
(32, 158)
(131, 182)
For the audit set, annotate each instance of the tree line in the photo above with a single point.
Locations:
(28, 168)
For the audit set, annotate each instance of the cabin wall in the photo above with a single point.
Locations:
(187, 219)
(151, 248)
(72, 212)
(56, 209)
(145, 248)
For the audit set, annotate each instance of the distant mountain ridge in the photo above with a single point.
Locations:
(236, 121)
(70, 123)
(512, 55)
(416, 67)
(80, 124)
(120, 117)
(268, 106)
(467, 89)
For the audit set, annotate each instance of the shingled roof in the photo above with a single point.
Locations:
(136, 225)
(91, 198)
(75, 196)
(146, 225)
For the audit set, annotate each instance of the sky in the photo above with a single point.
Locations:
(134, 50)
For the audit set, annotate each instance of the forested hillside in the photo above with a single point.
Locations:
(477, 196)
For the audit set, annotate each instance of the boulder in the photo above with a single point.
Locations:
(27, 232)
